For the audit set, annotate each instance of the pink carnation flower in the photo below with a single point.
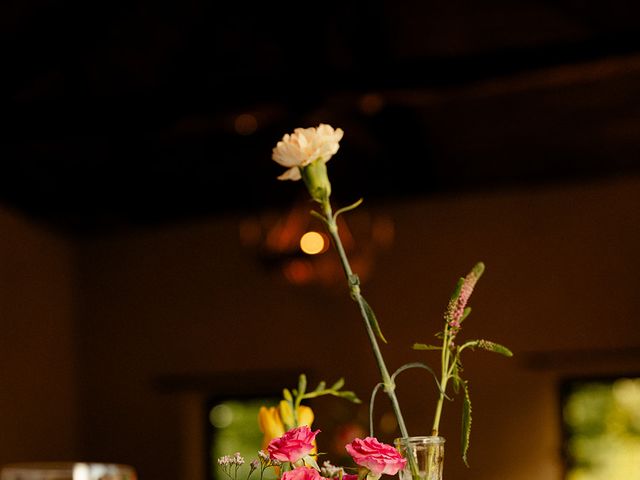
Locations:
(302, 473)
(378, 457)
(293, 445)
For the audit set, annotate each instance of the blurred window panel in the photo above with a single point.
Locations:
(233, 427)
(601, 421)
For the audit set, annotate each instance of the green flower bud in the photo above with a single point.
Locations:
(316, 179)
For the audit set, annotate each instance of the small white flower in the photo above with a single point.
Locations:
(329, 470)
(228, 460)
(304, 146)
(266, 460)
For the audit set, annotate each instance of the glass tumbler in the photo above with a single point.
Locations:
(67, 471)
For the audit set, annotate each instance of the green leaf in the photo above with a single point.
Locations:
(488, 346)
(363, 473)
(424, 346)
(466, 423)
(338, 385)
(302, 384)
(352, 397)
(455, 377)
(348, 208)
(459, 363)
(373, 321)
(456, 291)
(319, 216)
(321, 386)
(309, 460)
(465, 313)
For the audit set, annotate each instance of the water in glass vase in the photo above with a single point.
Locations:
(425, 457)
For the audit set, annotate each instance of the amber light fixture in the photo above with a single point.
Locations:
(294, 245)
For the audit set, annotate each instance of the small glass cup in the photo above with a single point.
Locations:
(425, 457)
(67, 471)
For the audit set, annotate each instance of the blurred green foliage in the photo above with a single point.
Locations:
(235, 429)
(603, 423)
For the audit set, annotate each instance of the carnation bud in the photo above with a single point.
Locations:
(317, 180)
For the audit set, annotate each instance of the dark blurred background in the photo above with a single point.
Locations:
(137, 199)
(134, 113)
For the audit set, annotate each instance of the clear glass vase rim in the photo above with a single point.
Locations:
(423, 439)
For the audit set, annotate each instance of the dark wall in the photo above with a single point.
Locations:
(38, 401)
(190, 302)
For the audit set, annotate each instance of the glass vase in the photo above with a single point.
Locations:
(425, 457)
(67, 471)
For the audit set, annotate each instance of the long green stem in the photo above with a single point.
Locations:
(445, 375)
(354, 288)
(439, 405)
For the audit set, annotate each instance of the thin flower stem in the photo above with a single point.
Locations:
(446, 370)
(227, 473)
(354, 288)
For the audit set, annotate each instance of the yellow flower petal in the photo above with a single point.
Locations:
(305, 416)
(270, 424)
(286, 415)
(270, 421)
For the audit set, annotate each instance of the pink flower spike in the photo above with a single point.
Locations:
(293, 445)
(378, 458)
(456, 307)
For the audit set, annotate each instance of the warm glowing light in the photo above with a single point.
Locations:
(371, 103)
(293, 244)
(298, 272)
(245, 124)
(312, 243)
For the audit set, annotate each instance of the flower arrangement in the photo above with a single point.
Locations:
(289, 443)
(291, 454)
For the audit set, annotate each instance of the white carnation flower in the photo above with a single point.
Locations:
(304, 146)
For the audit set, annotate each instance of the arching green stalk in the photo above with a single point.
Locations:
(365, 310)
